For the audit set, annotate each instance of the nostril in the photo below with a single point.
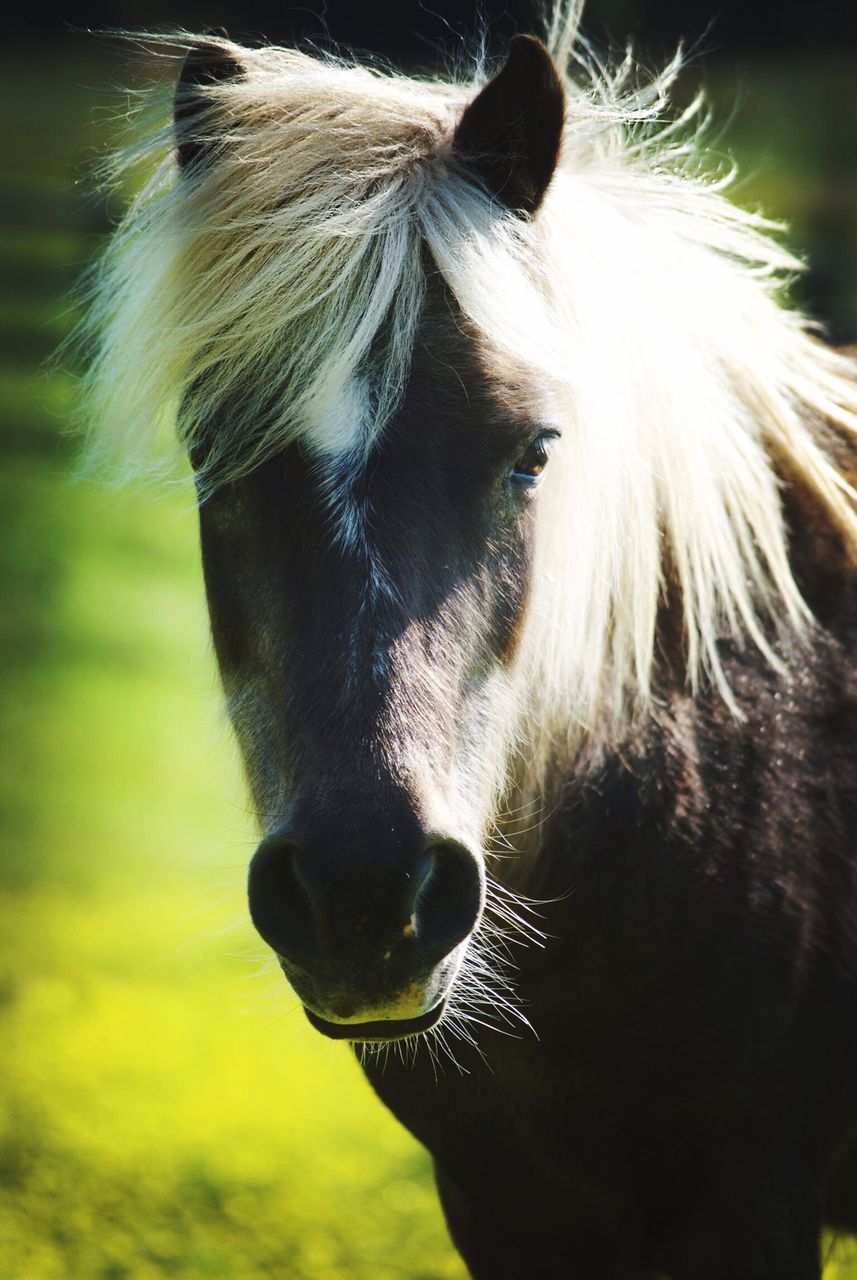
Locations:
(449, 898)
(280, 906)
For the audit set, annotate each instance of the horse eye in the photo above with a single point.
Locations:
(534, 459)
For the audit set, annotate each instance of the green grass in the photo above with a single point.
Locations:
(165, 1111)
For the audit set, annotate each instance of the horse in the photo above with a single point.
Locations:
(529, 548)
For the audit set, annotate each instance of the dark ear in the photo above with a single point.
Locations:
(205, 64)
(510, 134)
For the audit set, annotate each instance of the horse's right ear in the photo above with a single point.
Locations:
(510, 134)
(204, 65)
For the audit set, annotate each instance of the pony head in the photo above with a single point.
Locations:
(367, 579)
(478, 382)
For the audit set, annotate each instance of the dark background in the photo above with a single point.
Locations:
(407, 28)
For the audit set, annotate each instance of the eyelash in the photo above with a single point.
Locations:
(532, 462)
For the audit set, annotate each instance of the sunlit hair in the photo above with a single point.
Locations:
(273, 294)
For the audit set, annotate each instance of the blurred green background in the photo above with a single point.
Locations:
(165, 1110)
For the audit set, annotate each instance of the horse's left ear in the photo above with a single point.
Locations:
(205, 64)
(511, 132)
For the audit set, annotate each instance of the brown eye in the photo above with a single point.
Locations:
(534, 459)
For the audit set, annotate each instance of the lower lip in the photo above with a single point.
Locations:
(384, 1030)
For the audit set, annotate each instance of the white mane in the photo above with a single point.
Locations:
(249, 296)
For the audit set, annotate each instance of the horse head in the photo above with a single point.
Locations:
(367, 593)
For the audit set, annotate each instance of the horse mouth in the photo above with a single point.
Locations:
(385, 1029)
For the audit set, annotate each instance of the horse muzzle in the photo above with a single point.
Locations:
(371, 944)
